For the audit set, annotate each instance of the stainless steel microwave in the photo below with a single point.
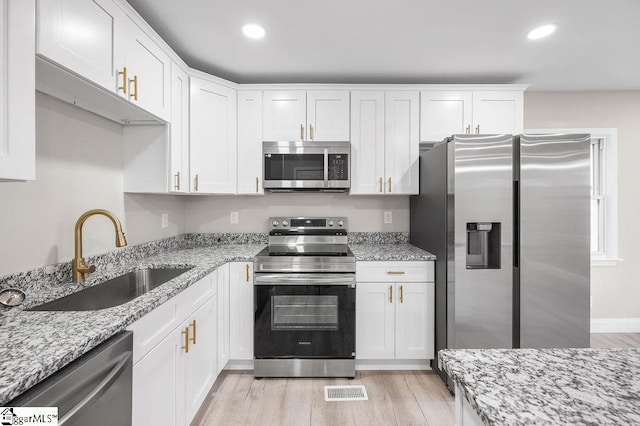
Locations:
(306, 166)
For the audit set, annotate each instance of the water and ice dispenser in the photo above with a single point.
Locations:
(483, 245)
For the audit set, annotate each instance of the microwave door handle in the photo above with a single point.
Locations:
(326, 168)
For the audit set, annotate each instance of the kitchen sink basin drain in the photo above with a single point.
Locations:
(345, 393)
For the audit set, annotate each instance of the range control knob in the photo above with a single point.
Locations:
(330, 223)
(275, 222)
(285, 222)
(341, 222)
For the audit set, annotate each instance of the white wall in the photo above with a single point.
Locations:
(615, 290)
(211, 214)
(78, 167)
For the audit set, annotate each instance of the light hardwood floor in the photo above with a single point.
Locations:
(395, 397)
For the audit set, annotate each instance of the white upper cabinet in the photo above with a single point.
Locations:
(179, 130)
(327, 115)
(401, 142)
(384, 142)
(250, 142)
(498, 112)
(298, 115)
(212, 133)
(444, 113)
(367, 142)
(17, 90)
(148, 73)
(284, 115)
(86, 37)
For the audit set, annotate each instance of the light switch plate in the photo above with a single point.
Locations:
(165, 220)
(233, 217)
(388, 217)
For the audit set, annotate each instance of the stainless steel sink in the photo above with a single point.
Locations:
(113, 292)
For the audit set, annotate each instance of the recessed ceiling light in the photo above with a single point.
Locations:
(541, 32)
(253, 31)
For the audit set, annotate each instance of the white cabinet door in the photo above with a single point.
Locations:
(328, 115)
(250, 142)
(402, 142)
(224, 317)
(367, 142)
(284, 115)
(148, 73)
(414, 320)
(200, 361)
(444, 113)
(375, 334)
(498, 112)
(86, 37)
(17, 90)
(179, 130)
(212, 134)
(157, 384)
(242, 314)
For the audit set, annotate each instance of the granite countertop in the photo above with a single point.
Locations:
(37, 344)
(383, 252)
(548, 386)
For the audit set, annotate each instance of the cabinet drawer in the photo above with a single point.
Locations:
(194, 296)
(387, 272)
(149, 330)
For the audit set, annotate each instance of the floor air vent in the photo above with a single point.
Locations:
(345, 393)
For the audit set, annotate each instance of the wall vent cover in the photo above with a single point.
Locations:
(345, 393)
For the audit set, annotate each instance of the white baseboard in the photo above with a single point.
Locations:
(615, 325)
(393, 364)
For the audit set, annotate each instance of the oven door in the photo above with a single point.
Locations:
(305, 316)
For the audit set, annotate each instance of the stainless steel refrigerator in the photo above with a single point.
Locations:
(508, 218)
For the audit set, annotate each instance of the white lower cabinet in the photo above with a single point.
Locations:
(395, 315)
(241, 324)
(223, 317)
(175, 366)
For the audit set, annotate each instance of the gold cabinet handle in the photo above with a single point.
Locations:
(478, 129)
(302, 132)
(468, 129)
(380, 185)
(401, 294)
(133, 94)
(176, 180)
(256, 183)
(247, 272)
(123, 73)
(395, 272)
(390, 294)
(185, 333)
(193, 325)
(311, 131)
(389, 185)
(195, 183)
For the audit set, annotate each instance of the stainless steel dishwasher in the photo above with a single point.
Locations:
(93, 390)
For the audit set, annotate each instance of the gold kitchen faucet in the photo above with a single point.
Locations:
(80, 268)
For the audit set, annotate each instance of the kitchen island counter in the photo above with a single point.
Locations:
(545, 386)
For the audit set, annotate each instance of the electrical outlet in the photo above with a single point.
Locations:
(165, 220)
(388, 217)
(233, 217)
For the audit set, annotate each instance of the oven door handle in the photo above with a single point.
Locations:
(304, 279)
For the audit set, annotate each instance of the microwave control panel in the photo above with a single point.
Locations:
(338, 167)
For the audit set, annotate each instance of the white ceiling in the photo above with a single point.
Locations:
(596, 46)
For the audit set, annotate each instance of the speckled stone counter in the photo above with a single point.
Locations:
(36, 344)
(548, 386)
(382, 252)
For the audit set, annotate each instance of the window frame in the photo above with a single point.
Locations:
(608, 256)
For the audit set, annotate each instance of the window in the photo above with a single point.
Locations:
(604, 193)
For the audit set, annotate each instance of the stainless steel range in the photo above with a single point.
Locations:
(305, 293)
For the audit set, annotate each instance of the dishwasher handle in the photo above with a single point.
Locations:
(100, 389)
